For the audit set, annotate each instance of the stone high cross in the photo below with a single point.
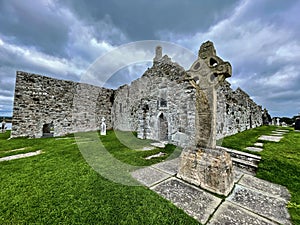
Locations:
(206, 74)
(201, 164)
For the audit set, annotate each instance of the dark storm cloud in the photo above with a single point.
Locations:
(62, 38)
(34, 23)
(142, 19)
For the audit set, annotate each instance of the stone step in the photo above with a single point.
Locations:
(248, 163)
(244, 166)
(254, 159)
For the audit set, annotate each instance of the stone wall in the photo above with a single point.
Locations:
(64, 105)
(157, 105)
(161, 106)
(236, 111)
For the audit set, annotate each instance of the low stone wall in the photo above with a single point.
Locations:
(64, 106)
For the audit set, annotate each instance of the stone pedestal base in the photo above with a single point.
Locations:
(210, 169)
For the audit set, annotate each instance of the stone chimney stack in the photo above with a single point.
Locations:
(158, 53)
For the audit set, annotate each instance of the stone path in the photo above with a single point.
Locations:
(275, 136)
(25, 155)
(252, 201)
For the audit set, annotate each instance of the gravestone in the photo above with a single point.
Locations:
(103, 127)
(277, 122)
(297, 124)
(201, 163)
(3, 126)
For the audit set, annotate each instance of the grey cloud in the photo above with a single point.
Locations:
(141, 19)
(34, 23)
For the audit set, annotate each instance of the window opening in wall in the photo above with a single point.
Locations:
(162, 103)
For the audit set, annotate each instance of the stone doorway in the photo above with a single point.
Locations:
(163, 127)
(48, 130)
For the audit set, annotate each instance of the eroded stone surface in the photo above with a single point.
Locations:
(269, 138)
(149, 176)
(261, 203)
(170, 166)
(195, 202)
(207, 168)
(229, 213)
(265, 186)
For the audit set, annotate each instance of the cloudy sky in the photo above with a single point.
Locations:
(62, 39)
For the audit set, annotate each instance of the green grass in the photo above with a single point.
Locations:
(280, 161)
(247, 138)
(59, 187)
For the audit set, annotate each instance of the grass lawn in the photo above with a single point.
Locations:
(59, 187)
(71, 183)
(280, 161)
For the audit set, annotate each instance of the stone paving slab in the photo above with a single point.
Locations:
(194, 201)
(170, 166)
(258, 144)
(269, 138)
(19, 156)
(149, 176)
(229, 213)
(265, 186)
(258, 202)
(254, 149)
(158, 144)
(278, 132)
(238, 173)
(283, 131)
(277, 135)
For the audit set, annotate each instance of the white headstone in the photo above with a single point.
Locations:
(103, 127)
(278, 124)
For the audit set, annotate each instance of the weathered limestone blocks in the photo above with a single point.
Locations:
(208, 168)
(65, 105)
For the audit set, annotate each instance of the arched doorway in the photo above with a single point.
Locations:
(163, 127)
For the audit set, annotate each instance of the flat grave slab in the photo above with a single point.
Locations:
(286, 131)
(149, 176)
(170, 166)
(254, 149)
(158, 144)
(194, 201)
(20, 156)
(269, 138)
(265, 186)
(229, 213)
(258, 144)
(261, 203)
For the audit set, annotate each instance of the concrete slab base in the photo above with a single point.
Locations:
(253, 201)
(194, 201)
(229, 213)
(260, 203)
(149, 176)
(170, 166)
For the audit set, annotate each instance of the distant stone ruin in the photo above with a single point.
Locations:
(159, 105)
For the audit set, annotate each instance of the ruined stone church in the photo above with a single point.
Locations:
(160, 105)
